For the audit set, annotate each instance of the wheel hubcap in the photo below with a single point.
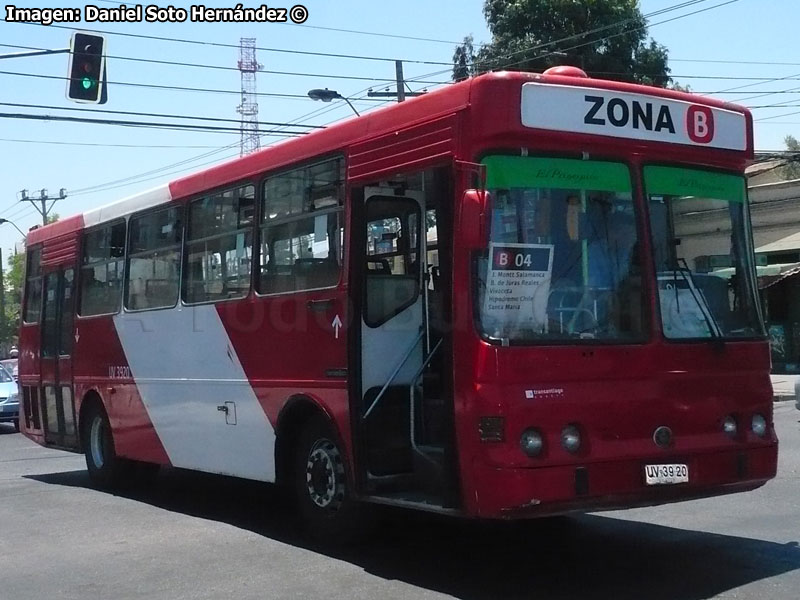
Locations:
(325, 475)
(97, 442)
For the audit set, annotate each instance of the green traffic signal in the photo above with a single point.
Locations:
(86, 82)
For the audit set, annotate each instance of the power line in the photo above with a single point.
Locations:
(683, 16)
(146, 124)
(596, 41)
(583, 34)
(374, 33)
(227, 68)
(163, 87)
(162, 171)
(159, 176)
(736, 62)
(223, 45)
(147, 114)
(724, 77)
(157, 170)
(61, 143)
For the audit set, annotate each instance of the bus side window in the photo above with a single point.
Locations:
(33, 286)
(301, 233)
(219, 247)
(102, 267)
(153, 263)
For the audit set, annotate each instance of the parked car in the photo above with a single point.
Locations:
(12, 366)
(9, 398)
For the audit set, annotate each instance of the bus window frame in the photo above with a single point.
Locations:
(183, 208)
(79, 280)
(185, 255)
(341, 209)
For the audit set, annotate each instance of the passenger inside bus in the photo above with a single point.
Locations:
(591, 282)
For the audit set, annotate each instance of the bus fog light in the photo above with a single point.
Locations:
(759, 425)
(571, 439)
(729, 425)
(531, 442)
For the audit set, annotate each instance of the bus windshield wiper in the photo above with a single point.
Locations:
(688, 277)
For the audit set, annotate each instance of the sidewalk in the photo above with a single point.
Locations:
(783, 386)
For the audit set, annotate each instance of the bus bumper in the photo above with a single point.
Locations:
(533, 492)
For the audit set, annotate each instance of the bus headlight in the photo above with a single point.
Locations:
(729, 425)
(531, 442)
(759, 425)
(571, 439)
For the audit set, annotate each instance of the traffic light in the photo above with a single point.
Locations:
(86, 68)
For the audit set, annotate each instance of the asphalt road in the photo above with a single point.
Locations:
(198, 536)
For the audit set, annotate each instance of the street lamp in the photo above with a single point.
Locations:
(327, 95)
(15, 226)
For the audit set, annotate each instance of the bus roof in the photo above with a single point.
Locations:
(438, 103)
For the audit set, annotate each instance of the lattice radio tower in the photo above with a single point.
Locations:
(248, 66)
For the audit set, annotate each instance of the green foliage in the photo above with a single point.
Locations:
(13, 278)
(680, 88)
(463, 59)
(792, 168)
(606, 38)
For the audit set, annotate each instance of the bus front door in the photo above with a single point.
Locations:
(393, 341)
(56, 365)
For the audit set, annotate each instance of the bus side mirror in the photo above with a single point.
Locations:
(473, 220)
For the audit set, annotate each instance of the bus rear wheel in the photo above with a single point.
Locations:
(106, 469)
(325, 503)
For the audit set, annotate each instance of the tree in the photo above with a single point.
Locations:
(463, 59)
(12, 282)
(792, 168)
(606, 38)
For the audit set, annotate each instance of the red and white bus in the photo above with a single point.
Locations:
(494, 300)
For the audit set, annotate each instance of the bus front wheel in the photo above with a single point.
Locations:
(104, 466)
(321, 488)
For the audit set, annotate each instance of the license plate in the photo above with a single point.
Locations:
(665, 474)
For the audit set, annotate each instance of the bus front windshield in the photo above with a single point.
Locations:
(706, 282)
(563, 261)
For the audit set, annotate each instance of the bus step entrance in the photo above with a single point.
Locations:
(394, 463)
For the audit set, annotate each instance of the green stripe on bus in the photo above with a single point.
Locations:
(678, 181)
(504, 172)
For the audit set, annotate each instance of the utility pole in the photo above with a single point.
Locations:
(400, 93)
(401, 82)
(43, 198)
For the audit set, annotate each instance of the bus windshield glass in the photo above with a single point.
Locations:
(562, 263)
(706, 281)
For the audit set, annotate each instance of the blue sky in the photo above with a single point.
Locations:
(739, 30)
